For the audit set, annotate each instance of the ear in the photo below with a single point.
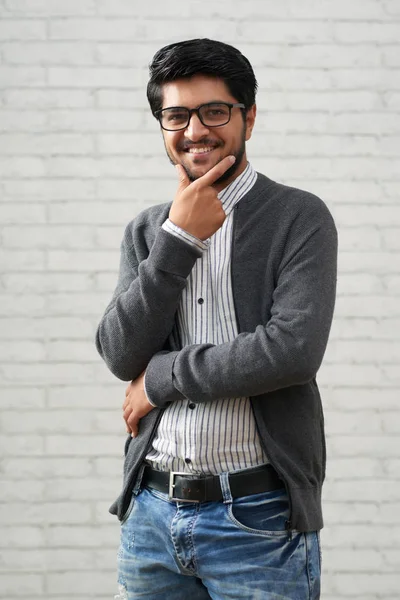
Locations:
(250, 120)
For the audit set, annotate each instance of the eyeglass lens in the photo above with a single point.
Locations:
(212, 114)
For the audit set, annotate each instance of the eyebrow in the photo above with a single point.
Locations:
(198, 106)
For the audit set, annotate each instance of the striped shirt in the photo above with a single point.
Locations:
(217, 436)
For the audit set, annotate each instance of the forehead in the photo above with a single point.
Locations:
(194, 91)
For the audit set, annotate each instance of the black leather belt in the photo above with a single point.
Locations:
(184, 487)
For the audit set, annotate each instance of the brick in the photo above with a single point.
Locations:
(373, 262)
(46, 98)
(391, 422)
(35, 237)
(138, 192)
(101, 213)
(372, 305)
(350, 351)
(391, 238)
(47, 513)
(16, 491)
(100, 120)
(16, 167)
(55, 421)
(73, 350)
(45, 327)
(47, 468)
(77, 304)
(83, 445)
(51, 189)
(362, 329)
(359, 283)
(14, 29)
(66, 143)
(364, 399)
(49, 53)
(109, 237)
(81, 581)
(22, 351)
(351, 469)
(82, 77)
(105, 282)
(49, 373)
(352, 216)
(32, 304)
(367, 583)
(377, 446)
(82, 489)
(376, 79)
(107, 467)
(87, 396)
(18, 397)
(85, 536)
(16, 120)
(76, 261)
(350, 423)
(364, 237)
(391, 56)
(129, 55)
(347, 513)
(366, 32)
(51, 7)
(133, 143)
(354, 560)
(25, 584)
(47, 282)
(21, 446)
(22, 76)
(22, 537)
(391, 283)
(20, 260)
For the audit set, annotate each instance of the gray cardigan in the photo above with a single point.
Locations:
(284, 254)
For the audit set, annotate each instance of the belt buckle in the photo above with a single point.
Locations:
(172, 475)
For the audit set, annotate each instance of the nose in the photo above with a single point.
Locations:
(195, 130)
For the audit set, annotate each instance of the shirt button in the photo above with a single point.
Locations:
(192, 405)
(200, 301)
(187, 461)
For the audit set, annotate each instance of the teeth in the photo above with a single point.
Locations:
(199, 150)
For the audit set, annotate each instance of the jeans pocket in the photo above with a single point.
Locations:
(128, 511)
(265, 514)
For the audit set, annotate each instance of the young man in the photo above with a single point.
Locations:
(220, 320)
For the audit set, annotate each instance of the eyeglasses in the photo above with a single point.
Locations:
(212, 114)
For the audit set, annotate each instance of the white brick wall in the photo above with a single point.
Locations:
(80, 155)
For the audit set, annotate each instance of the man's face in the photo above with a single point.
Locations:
(199, 148)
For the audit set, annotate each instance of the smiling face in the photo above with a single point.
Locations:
(199, 148)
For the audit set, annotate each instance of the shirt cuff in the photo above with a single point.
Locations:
(147, 393)
(159, 379)
(187, 237)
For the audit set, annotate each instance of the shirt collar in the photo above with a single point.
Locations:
(235, 191)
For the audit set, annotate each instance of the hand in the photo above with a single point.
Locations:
(136, 405)
(196, 207)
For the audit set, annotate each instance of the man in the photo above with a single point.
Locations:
(220, 320)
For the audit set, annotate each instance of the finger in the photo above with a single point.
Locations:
(216, 172)
(128, 389)
(184, 181)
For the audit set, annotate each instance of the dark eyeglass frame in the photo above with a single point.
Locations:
(190, 111)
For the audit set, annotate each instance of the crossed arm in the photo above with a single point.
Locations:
(286, 350)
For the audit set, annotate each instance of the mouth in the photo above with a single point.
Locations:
(200, 150)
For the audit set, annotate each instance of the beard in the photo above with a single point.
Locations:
(238, 154)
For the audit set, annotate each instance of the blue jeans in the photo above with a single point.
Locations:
(237, 549)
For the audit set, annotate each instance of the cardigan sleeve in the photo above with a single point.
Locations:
(141, 314)
(287, 350)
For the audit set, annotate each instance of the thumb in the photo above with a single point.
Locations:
(184, 180)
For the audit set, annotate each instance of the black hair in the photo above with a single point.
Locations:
(183, 60)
